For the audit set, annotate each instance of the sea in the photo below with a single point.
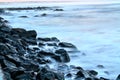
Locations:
(93, 27)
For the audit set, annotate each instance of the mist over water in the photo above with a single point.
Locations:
(93, 28)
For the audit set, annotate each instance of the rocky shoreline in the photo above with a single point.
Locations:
(24, 56)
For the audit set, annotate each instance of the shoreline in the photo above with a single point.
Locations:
(20, 63)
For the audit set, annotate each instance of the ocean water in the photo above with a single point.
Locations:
(93, 28)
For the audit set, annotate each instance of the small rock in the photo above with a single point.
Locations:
(93, 73)
(58, 10)
(65, 44)
(69, 75)
(102, 78)
(118, 78)
(44, 14)
(100, 66)
(23, 16)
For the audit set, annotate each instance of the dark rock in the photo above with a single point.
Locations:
(23, 16)
(93, 73)
(69, 75)
(63, 55)
(31, 34)
(79, 68)
(80, 74)
(88, 78)
(51, 44)
(118, 77)
(45, 53)
(7, 76)
(25, 76)
(57, 58)
(30, 41)
(5, 28)
(44, 74)
(44, 14)
(2, 11)
(102, 78)
(100, 66)
(17, 31)
(55, 39)
(67, 45)
(28, 67)
(58, 10)
(41, 44)
(4, 49)
(48, 39)
(44, 39)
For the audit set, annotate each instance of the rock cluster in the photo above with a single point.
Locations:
(23, 56)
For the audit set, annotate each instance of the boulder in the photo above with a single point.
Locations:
(80, 74)
(63, 55)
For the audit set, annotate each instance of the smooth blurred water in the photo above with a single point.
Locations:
(94, 29)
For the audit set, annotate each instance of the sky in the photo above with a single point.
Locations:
(62, 0)
(78, 1)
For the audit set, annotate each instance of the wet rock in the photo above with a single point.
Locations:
(25, 76)
(7, 76)
(30, 41)
(88, 78)
(28, 67)
(29, 34)
(58, 10)
(93, 73)
(80, 74)
(23, 16)
(118, 77)
(65, 44)
(4, 28)
(69, 75)
(52, 44)
(17, 30)
(44, 39)
(44, 14)
(63, 55)
(45, 53)
(48, 39)
(102, 78)
(2, 11)
(4, 49)
(100, 66)
(41, 44)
